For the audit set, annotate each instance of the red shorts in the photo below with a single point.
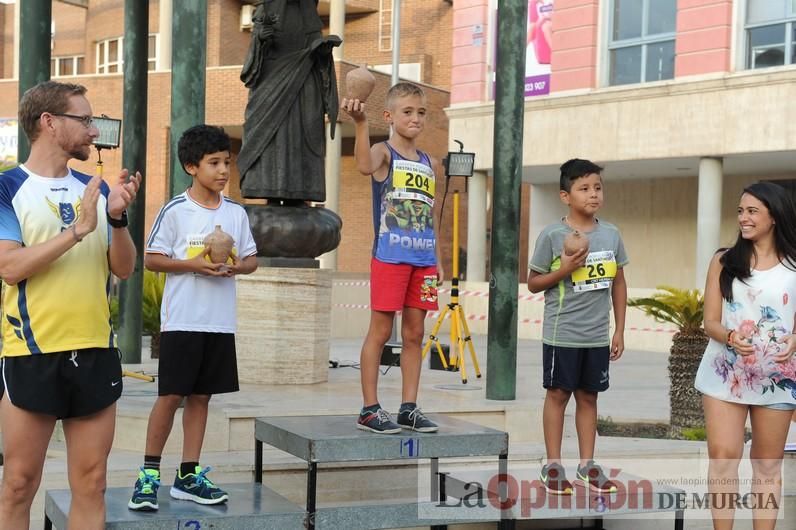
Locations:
(394, 286)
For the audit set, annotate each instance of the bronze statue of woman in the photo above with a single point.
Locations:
(290, 74)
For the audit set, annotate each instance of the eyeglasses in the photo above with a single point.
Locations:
(87, 121)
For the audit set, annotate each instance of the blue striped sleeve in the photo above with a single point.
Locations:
(10, 182)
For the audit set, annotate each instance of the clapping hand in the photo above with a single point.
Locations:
(87, 220)
(123, 193)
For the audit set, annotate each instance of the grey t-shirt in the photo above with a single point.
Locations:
(577, 310)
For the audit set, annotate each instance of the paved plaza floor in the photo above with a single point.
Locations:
(639, 392)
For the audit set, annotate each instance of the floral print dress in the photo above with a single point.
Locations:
(763, 308)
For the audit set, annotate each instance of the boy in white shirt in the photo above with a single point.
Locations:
(198, 320)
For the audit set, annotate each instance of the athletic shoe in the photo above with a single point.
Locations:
(554, 480)
(415, 420)
(592, 475)
(198, 488)
(145, 492)
(378, 421)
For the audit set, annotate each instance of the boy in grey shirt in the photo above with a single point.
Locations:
(580, 285)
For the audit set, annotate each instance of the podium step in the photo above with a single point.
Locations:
(336, 439)
(394, 514)
(250, 507)
(477, 490)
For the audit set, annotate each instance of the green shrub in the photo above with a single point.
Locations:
(696, 434)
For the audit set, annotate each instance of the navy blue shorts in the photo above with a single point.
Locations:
(575, 368)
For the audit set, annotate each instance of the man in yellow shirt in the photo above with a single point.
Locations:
(62, 234)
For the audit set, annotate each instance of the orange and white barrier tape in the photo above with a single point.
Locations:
(435, 314)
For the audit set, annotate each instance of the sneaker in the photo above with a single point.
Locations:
(198, 488)
(415, 420)
(378, 421)
(592, 475)
(554, 480)
(145, 491)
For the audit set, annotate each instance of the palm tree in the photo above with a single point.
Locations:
(685, 309)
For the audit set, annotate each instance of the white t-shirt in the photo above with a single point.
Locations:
(194, 302)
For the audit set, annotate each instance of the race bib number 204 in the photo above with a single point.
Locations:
(598, 272)
(413, 181)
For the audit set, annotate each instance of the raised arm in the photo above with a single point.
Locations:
(371, 160)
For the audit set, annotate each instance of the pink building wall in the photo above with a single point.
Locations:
(469, 71)
(574, 60)
(704, 34)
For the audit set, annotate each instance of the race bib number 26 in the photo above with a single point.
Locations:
(598, 272)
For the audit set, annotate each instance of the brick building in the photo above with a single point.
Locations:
(87, 49)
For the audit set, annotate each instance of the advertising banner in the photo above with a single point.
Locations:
(8, 142)
(538, 47)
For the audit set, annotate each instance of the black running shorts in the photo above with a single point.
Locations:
(65, 384)
(197, 362)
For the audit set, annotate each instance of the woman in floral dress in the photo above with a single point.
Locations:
(749, 368)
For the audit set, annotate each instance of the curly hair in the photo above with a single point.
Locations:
(201, 140)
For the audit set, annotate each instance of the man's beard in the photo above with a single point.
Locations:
(79, 153)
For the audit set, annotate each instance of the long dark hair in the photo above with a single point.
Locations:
(737, 260)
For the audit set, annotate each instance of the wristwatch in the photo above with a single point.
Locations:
(117, 223)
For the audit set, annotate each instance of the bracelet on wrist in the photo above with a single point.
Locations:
(78, 239)
(730, 333)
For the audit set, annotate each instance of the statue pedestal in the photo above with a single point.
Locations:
(284, 321)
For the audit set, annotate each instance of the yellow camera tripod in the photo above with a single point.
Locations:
(460, 332)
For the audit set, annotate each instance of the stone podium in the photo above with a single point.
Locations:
(284, 324)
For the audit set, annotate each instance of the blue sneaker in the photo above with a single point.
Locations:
(145, 492)
(378, 421)
(198, 488)
(414, 420)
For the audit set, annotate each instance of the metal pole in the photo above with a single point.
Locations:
(503, 284)
(188, 62)
(334, 146)
(35, 24)
(396, 62)
(396, 39)
(136, 19)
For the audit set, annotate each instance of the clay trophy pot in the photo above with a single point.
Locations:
(574, 242)
(220, 244)
(359, 83)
